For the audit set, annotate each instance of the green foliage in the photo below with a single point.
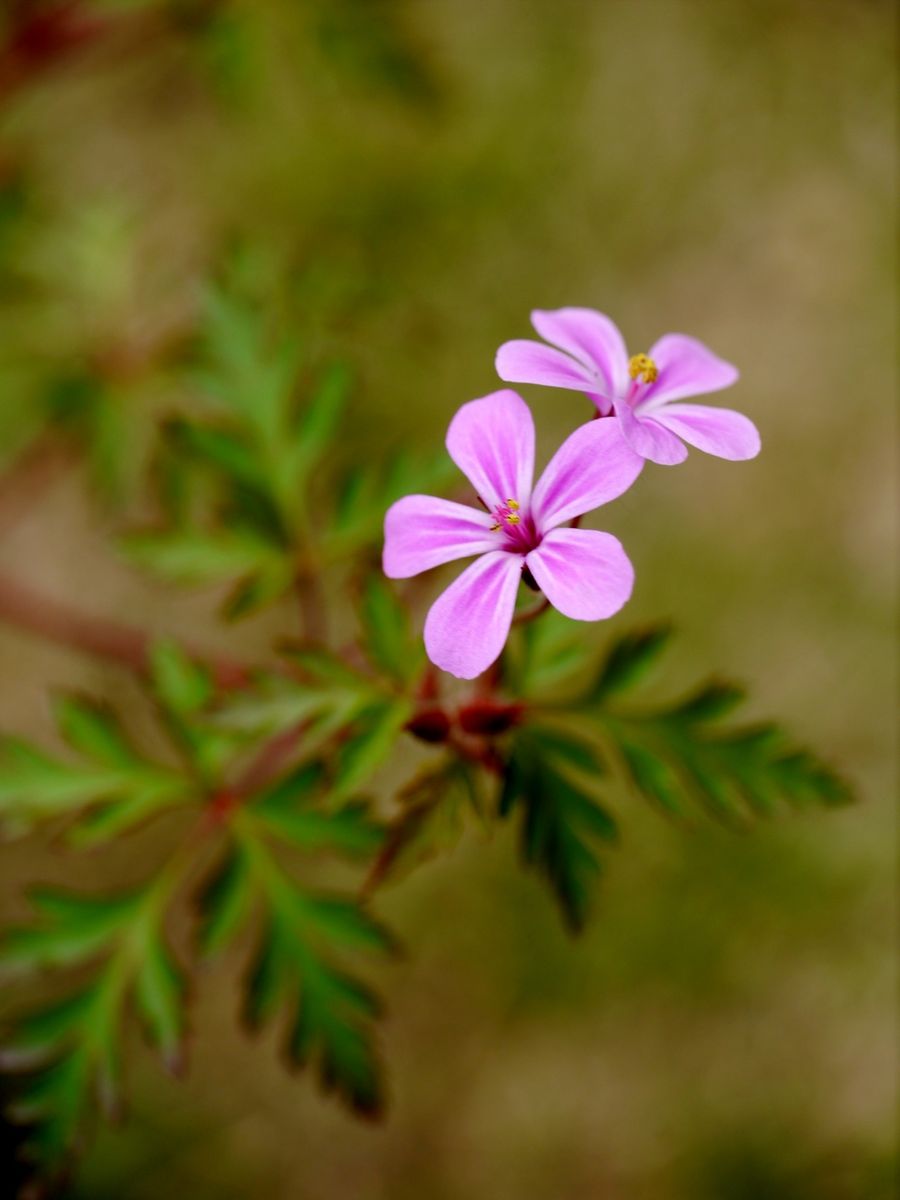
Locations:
(355, 714)
(680, 754)
(389, 640)
(304, 936)
(431, 820)
(109, 791)
(252, 485)
(550, 778)
(72, 1049)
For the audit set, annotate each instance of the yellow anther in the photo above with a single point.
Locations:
(513, 504)
(494, 528)
(643, 367)
(513, 519)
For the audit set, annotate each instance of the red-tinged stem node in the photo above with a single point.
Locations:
(487, 719)
(430, 725)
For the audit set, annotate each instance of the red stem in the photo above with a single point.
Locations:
(36, 613)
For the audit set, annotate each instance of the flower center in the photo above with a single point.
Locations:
(642, 367)
(506, 514)
(518, 526)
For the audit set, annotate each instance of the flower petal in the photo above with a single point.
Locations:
(491, 440)
(648, 438)
(590, 337)
(592, 466)
(523, 361)
(467, 625)
(585, 574)
(686, 368)
(719, 431)
(421, 532)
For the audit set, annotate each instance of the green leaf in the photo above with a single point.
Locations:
(287, 811)
(370, 740)
(94, 732)
(319, 421)
(431, 820)
(545, 651)
(225, 903)
(193, 556)
(296, 966)
(71, 929)
(159, 994)
(388, 638)
(76, 1043)
(628, 660)
(183, 687)
(221, 448)
(561, 820)
(112, 796)
(680, 755)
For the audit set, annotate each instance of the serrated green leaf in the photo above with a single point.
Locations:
(545, 651)
(319, 420)
(711, 701)
(80, 1038)
(388, 638)
(225, 903)
(287, 811)
(42, 1035)
(627, 661)
(159, 993)
(33, 786)
(343, 922)
(431, 820)
(197, 557)
(71, 929)
(680, 754)
(560, 819)
(144, 801)
(294, 967)
(183, 686)
(94, 732)
(222, 448)
(372, 737)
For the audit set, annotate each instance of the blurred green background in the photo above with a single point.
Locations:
(409, 180)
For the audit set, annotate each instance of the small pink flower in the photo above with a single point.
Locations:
(583, 573)
(590, 356)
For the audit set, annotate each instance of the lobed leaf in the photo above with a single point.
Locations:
(561, 819)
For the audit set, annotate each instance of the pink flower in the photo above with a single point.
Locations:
(583, 573)
(590, 356)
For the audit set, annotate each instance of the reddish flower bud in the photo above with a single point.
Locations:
(488, 719)
(430, 725)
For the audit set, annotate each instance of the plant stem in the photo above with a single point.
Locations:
(30, 475)
(30, 610)
(529, 614)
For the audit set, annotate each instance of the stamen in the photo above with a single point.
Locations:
(507, 513)
(643, 367)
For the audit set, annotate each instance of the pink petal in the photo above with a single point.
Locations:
(590, 337)
(592, 466)
(648, 438)
(686, 368)
(585, 574)
(421, 532)
(491, 440)
(719, 431)
(532, 362)
(468, 624)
